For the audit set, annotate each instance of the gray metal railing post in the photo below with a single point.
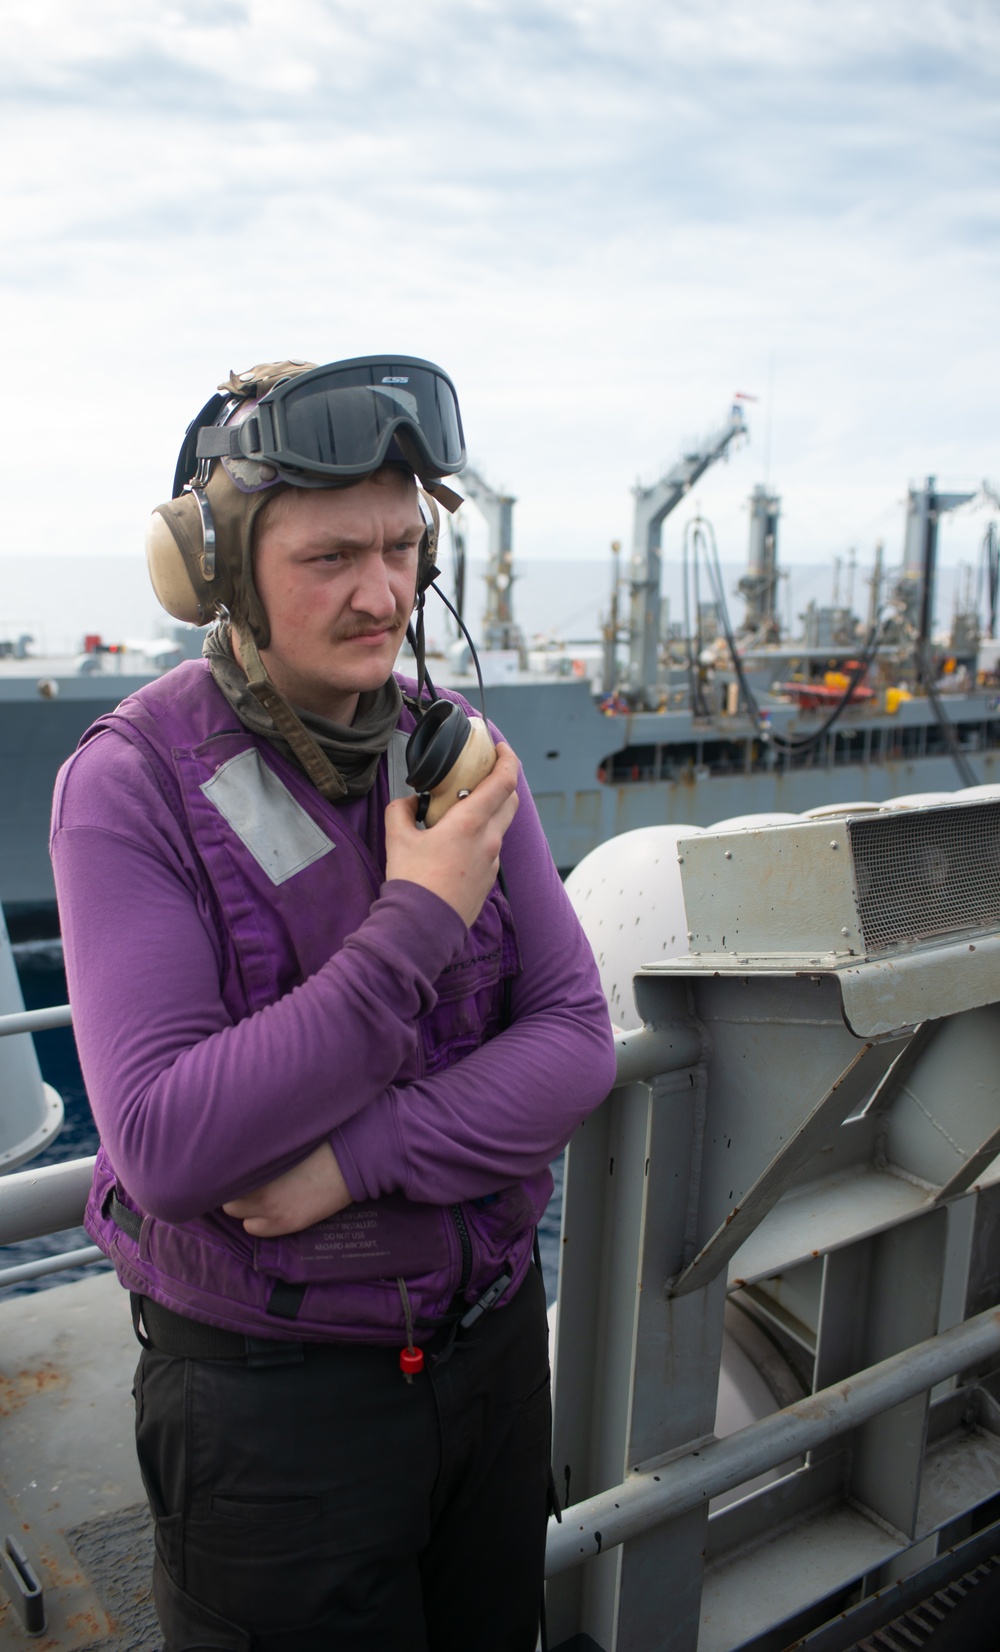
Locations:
(45, 1200)
(59, 1015)
(655, 1049)
(24, 1271)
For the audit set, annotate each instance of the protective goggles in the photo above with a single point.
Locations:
(341, 421)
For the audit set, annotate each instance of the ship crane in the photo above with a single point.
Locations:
(652, 506)
(499, 627)
(924, 509)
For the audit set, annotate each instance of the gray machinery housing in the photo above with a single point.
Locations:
(806, 1124)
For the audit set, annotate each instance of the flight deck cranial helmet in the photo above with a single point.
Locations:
(292, 424)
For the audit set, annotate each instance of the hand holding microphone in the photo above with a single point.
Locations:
(447, 755)
(453, 763)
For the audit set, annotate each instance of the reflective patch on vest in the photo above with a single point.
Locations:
(278, 832)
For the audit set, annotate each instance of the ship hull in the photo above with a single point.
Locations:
(578, 762)
(37, 734)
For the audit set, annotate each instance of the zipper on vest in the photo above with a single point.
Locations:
(466, 1243)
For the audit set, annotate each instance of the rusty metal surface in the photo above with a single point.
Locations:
(67, 1458)
(75, 1618)
(66, 1362)
(116, 1553)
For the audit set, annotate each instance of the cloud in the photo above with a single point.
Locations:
(552, 121)
(603, 218)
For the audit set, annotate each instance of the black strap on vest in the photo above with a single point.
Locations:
(284, 1301)
(129, 1221)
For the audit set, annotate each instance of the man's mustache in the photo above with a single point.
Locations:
(370, 628)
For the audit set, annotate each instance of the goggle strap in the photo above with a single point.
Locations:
(445, 496)
(218, 442)
(223, 442)
(185, 459)
(327, 780)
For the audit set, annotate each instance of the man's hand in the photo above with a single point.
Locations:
(457, 859)
(310, 1191)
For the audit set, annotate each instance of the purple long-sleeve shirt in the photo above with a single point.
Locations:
(195, 1109)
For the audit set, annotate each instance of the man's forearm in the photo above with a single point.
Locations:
(502, 1114)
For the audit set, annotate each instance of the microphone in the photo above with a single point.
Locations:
(447, 755)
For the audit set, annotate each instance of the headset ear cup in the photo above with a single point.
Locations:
(175, 543)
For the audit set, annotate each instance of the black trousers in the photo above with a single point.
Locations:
(329, 1504)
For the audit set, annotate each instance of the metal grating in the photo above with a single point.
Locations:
(927, 873)
(948, 1620)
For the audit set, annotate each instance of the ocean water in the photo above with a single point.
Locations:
(43, 983)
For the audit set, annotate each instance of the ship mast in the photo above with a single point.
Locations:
(652, 506)
(609, 674)
(759, 585)
(915, 589)
(499, 627)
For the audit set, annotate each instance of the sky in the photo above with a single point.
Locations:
(602, 217)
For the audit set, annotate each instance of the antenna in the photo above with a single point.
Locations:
(767, 426)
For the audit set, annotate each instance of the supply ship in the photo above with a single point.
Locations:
(693, 722)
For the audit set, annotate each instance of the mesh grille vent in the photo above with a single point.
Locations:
(927, 874)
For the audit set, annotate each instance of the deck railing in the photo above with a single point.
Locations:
(50, 1198)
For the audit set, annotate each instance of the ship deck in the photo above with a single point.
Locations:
(70, 1490)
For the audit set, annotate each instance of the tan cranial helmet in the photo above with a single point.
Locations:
(199, 545)
(259, 434)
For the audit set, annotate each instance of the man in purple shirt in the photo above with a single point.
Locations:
(330, 1049)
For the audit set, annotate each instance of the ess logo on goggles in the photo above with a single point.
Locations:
(342, 419)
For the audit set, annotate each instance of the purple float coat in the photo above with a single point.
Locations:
(228, 1023)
